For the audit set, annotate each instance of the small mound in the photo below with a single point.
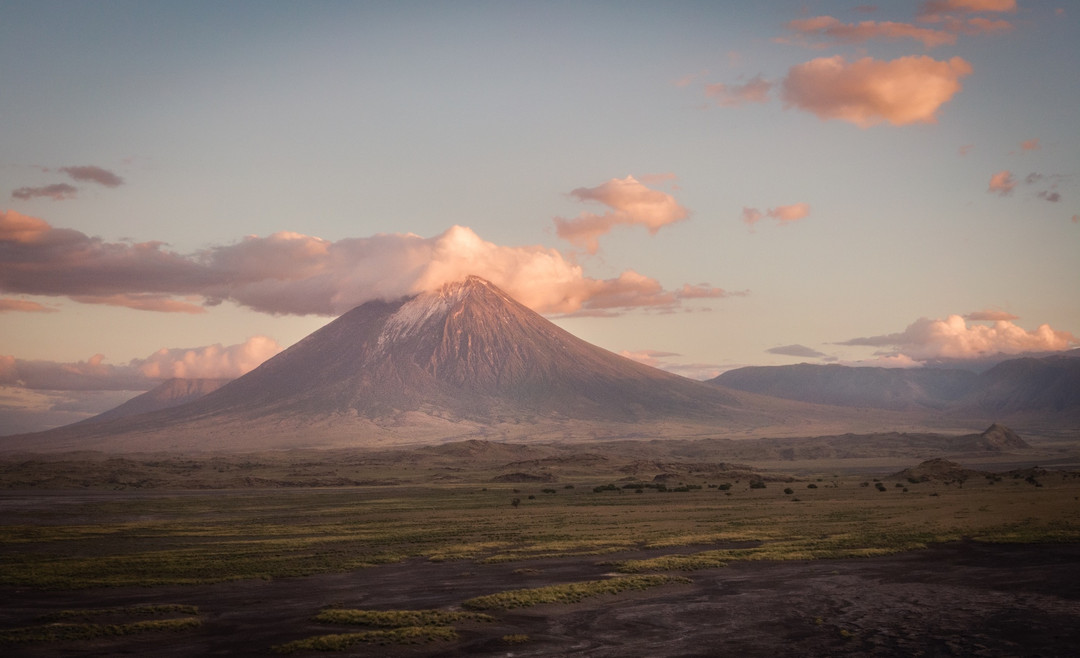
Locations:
(936, 469)
(524, 477)
(999, 437)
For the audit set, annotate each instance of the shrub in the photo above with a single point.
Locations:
(757, 484)
(811, 486)
(789, 490)
(724, 487)
(880, 487)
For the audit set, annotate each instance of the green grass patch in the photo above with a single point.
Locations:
(343, 641)
(399, 618)
(568, 592)
(62, 632)
(149, 610)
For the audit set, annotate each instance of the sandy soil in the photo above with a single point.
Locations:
(964, 599)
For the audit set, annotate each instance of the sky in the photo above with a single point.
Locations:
(187, 188)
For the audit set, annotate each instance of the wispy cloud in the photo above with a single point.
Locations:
(756, 90)
(868, 91)
(990, 315)
(797, 350)
(56, 192)
(823, 30)
(631, 203)
(1003, 183)
(935, 11)
(292, 273)
(93, 174)
(23, 306)
(782, 214)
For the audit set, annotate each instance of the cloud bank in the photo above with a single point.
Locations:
(211, 361)
(868, 91)
(953, 338)
(631, 203)
(294, 274)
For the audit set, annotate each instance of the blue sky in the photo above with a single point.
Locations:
(763, 183)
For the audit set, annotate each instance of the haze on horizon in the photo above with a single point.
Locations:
(190, 187)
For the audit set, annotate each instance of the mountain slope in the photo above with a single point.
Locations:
(171, 393)
(877, 388)
(465, 361)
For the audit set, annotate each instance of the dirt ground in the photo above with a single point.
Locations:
(965, 599)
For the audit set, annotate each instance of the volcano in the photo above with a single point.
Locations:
(463, 361)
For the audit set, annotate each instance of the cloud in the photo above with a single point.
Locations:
(295, 274)
(93, 174)
(659, 359)
(23, 305)
(782, 214)
(142, 302)
(756, 90)
(1002, 183)
(990, 315)
(1030, 145)
(1076, 219)
(965, 149)
(953, 338)
(211, 361)
(867, 92)
(796, 350)
(933, 11)
(57, 192)
(705, 291)
(832, 30)
(1052, 197)
(631, 203)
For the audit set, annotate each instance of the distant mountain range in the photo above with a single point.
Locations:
(1023, 387)
(467, 361)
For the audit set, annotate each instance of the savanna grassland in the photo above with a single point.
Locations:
(492, 559)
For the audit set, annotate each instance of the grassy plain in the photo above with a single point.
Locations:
(91, 539)
(650, 523)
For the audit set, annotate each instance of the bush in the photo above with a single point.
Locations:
(757, 484)
(811, 486)
(724, 487)
(789, 490)
(880, 487)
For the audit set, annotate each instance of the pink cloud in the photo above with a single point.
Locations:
(756, 90)
(296, 274)
(1076, 219)
(1030, 145)
(631, 203)
(953, 338)
(1002, 183)
(93, 174)
(835, 31)
(705, 291)
(869, 91)
(965, 149)
(23, 306)
(933, 11)
(979, 25)
(141, 302)
(782, 214)
(56, 192)
(211, 361)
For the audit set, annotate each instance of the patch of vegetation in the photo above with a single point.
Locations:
(517, 638)
(343, 641)
(568, 592)
(131, 610)
(61, 632)
(399, 618)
